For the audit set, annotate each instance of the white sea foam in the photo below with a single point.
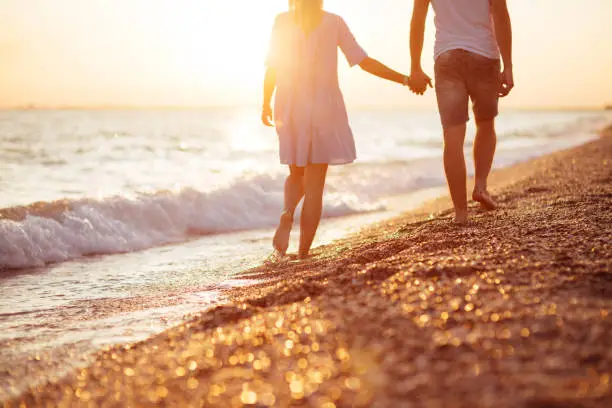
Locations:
(123, 224)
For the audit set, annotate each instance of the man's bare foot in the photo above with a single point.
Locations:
(485, 200)
(461, 217)
(280, 242)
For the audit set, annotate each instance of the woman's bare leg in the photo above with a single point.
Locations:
(294, 191)
(314, 184)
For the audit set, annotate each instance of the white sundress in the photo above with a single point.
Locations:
(309, 110)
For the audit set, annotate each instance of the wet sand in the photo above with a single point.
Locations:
(512, 310)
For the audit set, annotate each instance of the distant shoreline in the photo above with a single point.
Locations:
(253, 106)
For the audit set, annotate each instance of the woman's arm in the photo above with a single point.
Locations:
(380, 70)
(269, 87)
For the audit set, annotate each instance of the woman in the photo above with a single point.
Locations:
(309, 111)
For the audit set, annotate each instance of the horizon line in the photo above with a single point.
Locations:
(43, 107)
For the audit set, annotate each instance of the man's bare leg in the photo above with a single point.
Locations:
(294, 191)
(484, 151)
(314, 182)
(454, 167)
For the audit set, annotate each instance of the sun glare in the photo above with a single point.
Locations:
(223, 37)
(211, 52)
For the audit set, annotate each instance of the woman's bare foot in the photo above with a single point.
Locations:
(274, 258)
(485, 200)
(280, 242)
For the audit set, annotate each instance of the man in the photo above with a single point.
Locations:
(470, 35)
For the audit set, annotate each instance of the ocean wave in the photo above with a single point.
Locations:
(43, 233)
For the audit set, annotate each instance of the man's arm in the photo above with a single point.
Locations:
(418, 79)
(503, 33)
(269, 87)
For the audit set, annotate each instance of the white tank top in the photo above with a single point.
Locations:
(466, 25)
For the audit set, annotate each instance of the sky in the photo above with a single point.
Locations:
(85, 53)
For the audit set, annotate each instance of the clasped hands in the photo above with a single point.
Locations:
(418, 81)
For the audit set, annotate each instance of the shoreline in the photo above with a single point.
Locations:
(361, 282)
(60, 359)
(64, 357)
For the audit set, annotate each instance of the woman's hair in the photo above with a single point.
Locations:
(306, 12)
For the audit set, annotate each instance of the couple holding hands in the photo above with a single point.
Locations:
(310, 115)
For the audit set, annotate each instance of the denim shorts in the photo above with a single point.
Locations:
(460, 76)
